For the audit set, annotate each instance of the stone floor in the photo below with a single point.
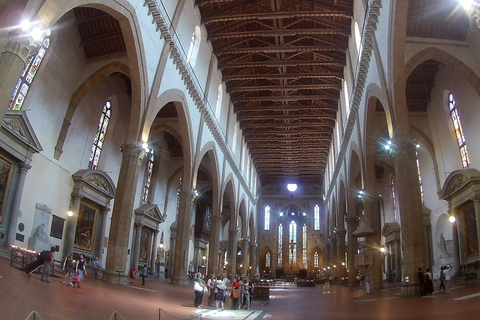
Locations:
(22, 295)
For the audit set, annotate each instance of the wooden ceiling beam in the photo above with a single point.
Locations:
(295, 87)
(284, 63)
(281, 76)
(275, 15)
(287, 98)
(280, 33)
(252, 117)
(330, 108)
(280, 49)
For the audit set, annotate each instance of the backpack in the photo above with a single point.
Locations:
(44, 255)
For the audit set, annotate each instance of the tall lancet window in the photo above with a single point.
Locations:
(316, 218)
(293, 242)
(28, 74)
(462, 145)
(268, 260)
(304, 247)
(419, 176)
(100, 135)
(394, 201)
(280, 245)
(148, 177)
(267, 218)
(315, 259)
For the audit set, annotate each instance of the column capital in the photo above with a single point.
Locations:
(24, 167)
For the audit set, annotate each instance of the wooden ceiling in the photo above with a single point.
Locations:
(282, 62)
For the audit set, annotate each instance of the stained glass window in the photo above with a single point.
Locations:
(458, 130)
(100, 136)
(180, 188)
(392, 195)
(28, 74)
(293, 243)
(268, 260)
(208, 219)
(304, 248)
(316, 218)
(419, 176)
(148, 176)
(280, 245)
(315, 259)
(267, 218)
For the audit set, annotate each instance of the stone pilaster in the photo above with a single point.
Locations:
(135, 251)
(17, 198)
(101, 235)
(71, 226)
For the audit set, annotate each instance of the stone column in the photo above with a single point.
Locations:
(101, 235)
(121, 222)
(12, 63)
(71, 226)
(408, 190)
(184, 223)
(244, 244)
(388, 258)
(135, 250)
(398, 261)
(341, 252)
(333, 251)
(253, 260)
(352, 224)
(153, 256)
(232, 251)
(17, 198)
(214, 245)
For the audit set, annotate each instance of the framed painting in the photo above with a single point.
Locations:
(6, 169)
(56, 230)
(144, 244)
(87, 215)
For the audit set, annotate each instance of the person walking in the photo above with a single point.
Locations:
(367, 284)
(47, 260)
(68, 268)
(144, 274)
(81, 269)
(96, 265)
(421, 281)
(199, 290)
(220, 292)
(447, 272)
(441, 278)
(247, 293)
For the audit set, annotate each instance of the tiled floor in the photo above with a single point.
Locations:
(20, 295)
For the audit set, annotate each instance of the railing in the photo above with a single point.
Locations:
(34, 315)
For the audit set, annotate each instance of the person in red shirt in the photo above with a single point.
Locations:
(47, 263)
(133, 273)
